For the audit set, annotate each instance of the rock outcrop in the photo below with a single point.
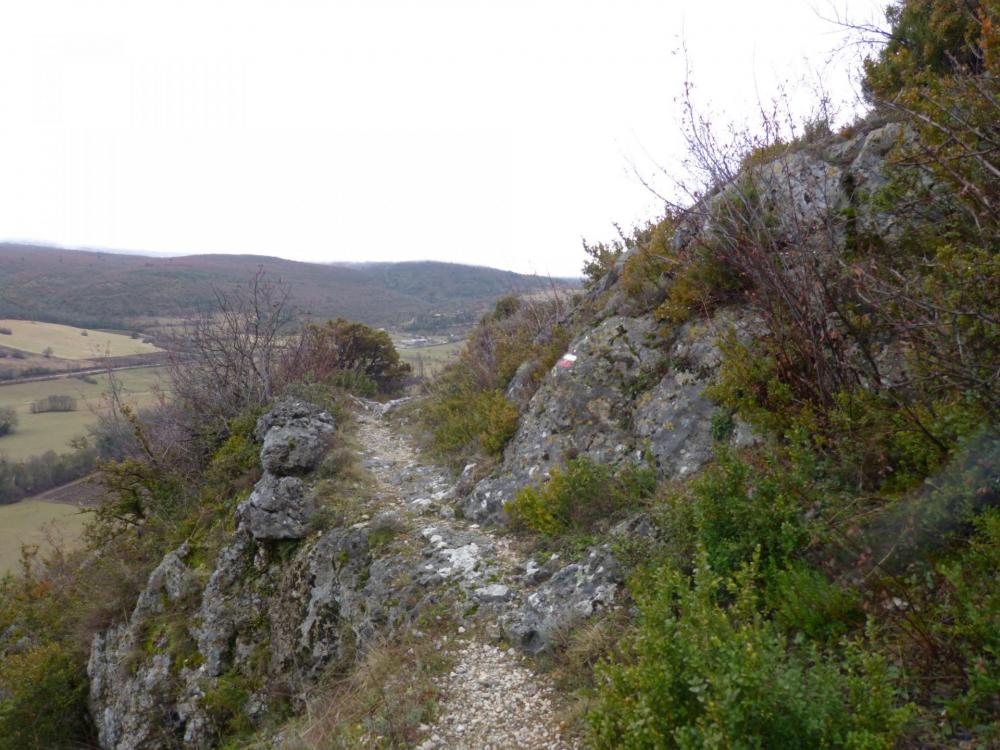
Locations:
(278, 608)
(294, 437)
(630, 395)
(807, 190)
(634, 391)
(262, 616)
(131, 697)
(563, 599)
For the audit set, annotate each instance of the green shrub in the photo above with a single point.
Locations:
(702, 282)
(722, 425)
(578, 496)
(347, 355)
(765, 153)
(466, 421)
(651, 257)
(500, 419)
(734, 511)
(966, 613)
(929, 38)
(648, 270)
(869, 439)
(225, 701)
(43, 699)
(706, 670)
(234, 467)
(466, 411)
(803, 600)
(601, 259)
(750, 384)
(505, 307)
(677, 283)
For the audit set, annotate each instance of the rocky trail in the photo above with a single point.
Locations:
(292, 592)
(492, 697)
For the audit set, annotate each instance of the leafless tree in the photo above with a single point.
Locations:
(224, 360)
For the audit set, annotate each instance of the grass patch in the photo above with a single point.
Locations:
(37, 433)
(379, 703)
(428, 361)
(36, 523)
(68, 342)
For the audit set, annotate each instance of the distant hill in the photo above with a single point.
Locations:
(112, 290)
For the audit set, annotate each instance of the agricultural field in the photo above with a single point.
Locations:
(67, 342)
(37, 433)
(36, 521)
(429, 360)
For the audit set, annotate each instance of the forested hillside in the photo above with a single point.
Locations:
(95, 289)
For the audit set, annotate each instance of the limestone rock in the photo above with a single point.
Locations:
(278, 508)
(495, 592)
(130, 707)
(523, 385)
(579, 409)
(673, 419)
(630, 395)
(294, 436)
(568, 597)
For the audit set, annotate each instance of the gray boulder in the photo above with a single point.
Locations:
(295, 436)
(672, 421)
(278, 508)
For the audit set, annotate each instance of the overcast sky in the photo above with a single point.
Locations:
(496, 132)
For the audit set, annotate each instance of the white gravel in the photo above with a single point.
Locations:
(492, 698)
(494, 701)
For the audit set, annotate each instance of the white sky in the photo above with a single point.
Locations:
(496, 133)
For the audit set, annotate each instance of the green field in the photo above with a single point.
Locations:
(37, 433)
(67, 342)
(26, 522)
(433, 357)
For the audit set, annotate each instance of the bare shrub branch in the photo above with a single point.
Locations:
(224, 361)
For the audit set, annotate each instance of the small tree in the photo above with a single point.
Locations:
(8, 420)
(342, 348)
